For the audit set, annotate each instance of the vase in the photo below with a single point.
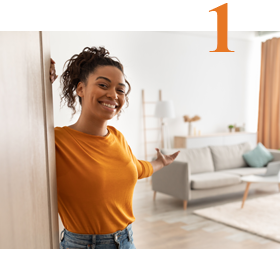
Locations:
(190, 129)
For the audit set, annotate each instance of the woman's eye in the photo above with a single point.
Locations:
(121, 91)
(103, 85)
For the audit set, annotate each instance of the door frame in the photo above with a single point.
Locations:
(50, 138)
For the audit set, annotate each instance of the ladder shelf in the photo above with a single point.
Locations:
(149, 129)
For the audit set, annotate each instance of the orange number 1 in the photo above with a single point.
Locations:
(222, 28)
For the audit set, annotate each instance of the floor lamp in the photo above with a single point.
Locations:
(165, 110)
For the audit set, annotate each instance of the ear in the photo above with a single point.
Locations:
(80, 90)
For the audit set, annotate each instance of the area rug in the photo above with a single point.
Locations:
(260, 216)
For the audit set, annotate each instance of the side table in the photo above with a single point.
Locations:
(258, 179)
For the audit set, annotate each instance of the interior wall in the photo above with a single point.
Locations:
(222, 88)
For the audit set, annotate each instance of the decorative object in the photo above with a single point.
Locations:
(260, 216)
(239, 128)
(258, 157)
(164, 110)
(230, 127)
(190, 120)
(236, 128)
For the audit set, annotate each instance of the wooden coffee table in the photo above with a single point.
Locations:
(258, 179)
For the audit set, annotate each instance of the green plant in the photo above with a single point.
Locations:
(231, 126)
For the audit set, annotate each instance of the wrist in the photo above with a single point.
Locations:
(160, 162)
(157, 165)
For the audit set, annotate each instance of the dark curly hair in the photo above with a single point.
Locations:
(79, 67)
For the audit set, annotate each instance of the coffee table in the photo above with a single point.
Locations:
(258, 179)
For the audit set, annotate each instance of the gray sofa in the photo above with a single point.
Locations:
(206, 172)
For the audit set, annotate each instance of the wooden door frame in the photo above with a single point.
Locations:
(50, 139)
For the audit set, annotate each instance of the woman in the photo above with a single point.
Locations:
(96, 169)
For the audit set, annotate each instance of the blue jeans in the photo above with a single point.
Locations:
(122, 239)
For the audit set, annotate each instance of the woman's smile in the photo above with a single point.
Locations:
(109, 107)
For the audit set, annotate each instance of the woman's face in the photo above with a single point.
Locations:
(104, 95)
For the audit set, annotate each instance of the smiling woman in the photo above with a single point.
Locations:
(96, 169)
(80, 66)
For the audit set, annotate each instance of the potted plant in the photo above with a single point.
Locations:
(230, 127)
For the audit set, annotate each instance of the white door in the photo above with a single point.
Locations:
(28, 202)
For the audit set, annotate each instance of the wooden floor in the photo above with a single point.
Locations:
(163, 224)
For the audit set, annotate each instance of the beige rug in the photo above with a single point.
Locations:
(260, 216)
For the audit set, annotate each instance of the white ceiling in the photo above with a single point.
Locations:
(241, 35)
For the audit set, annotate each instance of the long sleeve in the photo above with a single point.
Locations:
(144, 168)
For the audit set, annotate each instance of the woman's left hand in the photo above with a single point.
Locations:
(166, 159)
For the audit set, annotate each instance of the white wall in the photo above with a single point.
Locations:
(222, 88)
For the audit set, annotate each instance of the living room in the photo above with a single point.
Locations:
(180, 65)
(197, 82)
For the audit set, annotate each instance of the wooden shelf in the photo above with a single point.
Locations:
(216, 134)
(217, 139)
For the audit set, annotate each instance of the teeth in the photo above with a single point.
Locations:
(109, 105)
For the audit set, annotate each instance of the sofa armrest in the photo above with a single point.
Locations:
(276, 154)
(173, 179)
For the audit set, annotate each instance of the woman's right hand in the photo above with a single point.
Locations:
(53, 75)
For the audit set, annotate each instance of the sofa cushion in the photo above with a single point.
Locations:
(258, 157)
(199, 159)
(230, 156)
(244, 171)
(213, 180)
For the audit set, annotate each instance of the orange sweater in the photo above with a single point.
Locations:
(96, 177)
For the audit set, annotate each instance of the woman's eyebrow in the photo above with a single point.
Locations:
(100, 77)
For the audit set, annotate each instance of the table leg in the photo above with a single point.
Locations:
(245, 194)
(279, 186)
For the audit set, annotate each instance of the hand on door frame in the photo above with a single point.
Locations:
(53, 75)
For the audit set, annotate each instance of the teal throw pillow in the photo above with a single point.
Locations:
(258, 157)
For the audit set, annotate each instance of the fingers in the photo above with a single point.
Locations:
(53, 78)
(175, 155)
(53, 75)
(52, 69)
(158, 151)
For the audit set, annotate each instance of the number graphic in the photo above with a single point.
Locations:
(222, 28)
